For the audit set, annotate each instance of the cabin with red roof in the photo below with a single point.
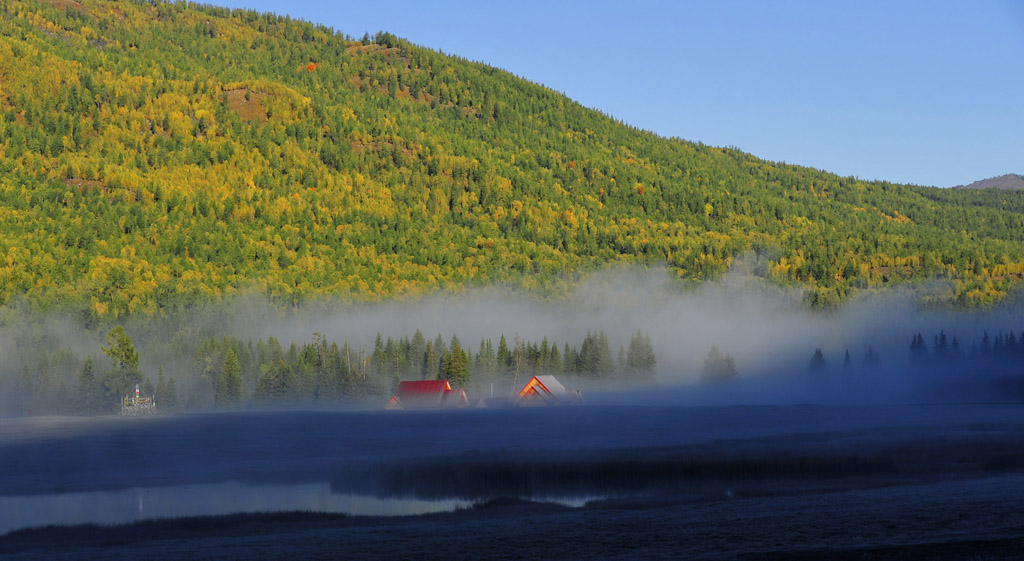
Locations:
(427, 394)
(546, 390)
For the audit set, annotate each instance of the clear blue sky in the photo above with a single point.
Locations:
(926, 92)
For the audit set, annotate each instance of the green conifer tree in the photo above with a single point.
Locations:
(417, 353)
(431, 363)
(170, 401)
(456, 365)
(555, 360)
(124, 374)
(166, 394)
(569, 359)
(229, 386)
(640, 359)
(89, 392)
(504, 356)
(718, 366)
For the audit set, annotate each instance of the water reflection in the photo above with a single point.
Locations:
(142, 503)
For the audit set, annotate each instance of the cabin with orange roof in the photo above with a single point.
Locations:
(546, 390)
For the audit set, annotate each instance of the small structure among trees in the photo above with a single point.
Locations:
(427, 394)
(137, 406)
(546, 390)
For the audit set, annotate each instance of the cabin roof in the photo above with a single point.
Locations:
(423, 388)
(552, 384)
(548, 389)
(427, 394)
(454, 398)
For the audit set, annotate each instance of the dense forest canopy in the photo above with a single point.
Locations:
(157, 154)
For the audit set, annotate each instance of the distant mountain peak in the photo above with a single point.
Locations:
(1008, 182)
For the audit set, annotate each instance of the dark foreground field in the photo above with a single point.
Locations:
(799, 482)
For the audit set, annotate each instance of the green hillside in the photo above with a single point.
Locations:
(157, 154)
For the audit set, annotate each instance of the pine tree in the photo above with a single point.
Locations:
(147, 388)
(88, 392)
(605, 360)
(417, 352)
(817, 364)
(555, 360)
(718, 366)
(396, 381)
(569, 359)
(350, 386)
(318, 355)
(640, 359)
(918, 350)
(439, 346)
(517, 360)
(209, 359)
(395, 357)
(486, 360)
(456, 365)
(170, 401)
(596, 355)
(291, 373)
(430, 363)
(335, 374)
(166, 394)
(504, 356)
(124, 374)
(378, 359)
(229, 385)
(269, 387)
(161, 385)
(271, 384)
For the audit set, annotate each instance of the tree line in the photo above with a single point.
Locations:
(228, 373)
(999, 355)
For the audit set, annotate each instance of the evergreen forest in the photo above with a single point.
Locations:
(231, 373)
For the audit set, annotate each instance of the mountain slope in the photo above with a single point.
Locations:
(1008, 182)
(157, 154)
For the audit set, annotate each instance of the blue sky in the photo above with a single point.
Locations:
(926, 92)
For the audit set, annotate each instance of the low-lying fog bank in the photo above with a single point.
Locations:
(734, 342)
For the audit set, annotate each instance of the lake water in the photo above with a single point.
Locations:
(144, 503)
(66, 471)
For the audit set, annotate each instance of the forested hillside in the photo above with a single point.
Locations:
(157, 154)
